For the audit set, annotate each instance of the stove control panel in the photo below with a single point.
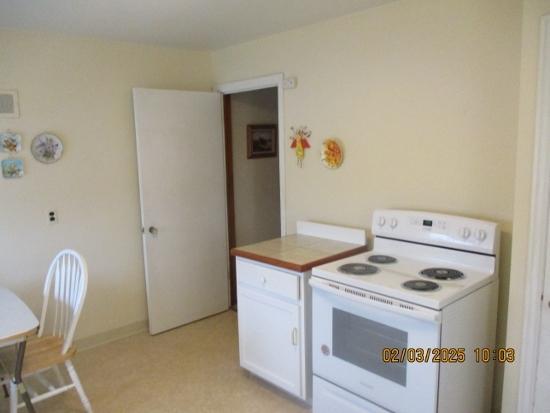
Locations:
(437, 229)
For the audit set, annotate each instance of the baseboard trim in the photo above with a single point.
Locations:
(95, 340)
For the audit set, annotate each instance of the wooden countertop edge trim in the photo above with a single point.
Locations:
(236, 252)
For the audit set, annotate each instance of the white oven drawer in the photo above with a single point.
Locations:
(268, 279)
(328, 398)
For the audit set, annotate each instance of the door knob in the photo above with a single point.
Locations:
(153, 230)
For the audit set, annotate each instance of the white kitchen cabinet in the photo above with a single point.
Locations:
(274, 301)
(273, 334)
(269, 342)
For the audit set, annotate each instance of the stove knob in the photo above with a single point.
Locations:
(381, 221)
(393, 223)
(465, 232)
(481, 235)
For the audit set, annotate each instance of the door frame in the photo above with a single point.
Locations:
(227, 89)
(258, 83)
(539, 229)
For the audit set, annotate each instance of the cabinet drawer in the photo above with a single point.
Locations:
(269, 279)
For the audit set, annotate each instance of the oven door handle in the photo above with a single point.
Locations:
(376, 300)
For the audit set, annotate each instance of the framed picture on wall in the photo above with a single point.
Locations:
(261, 141)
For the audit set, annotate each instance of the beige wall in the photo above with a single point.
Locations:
(424, 95)
(533, 10)
(80, 89)
(256, 181)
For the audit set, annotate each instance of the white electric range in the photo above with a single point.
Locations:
(396, 329)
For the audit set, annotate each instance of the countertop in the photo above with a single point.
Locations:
(298, 252)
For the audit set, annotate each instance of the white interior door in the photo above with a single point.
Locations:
(542, 395)
(541, 206)
(183, 204)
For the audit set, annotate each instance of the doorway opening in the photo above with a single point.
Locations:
(252, 153)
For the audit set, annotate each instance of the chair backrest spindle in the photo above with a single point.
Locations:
(66, 284)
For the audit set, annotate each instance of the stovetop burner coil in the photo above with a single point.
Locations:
(442, 273)
(358, 268)
(382, 259)
(421, 285)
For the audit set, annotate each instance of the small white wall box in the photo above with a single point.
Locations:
(9, 104)
(290, 83)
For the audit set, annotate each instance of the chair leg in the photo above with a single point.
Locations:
(4, 384)
(14, 397)
(78, 386)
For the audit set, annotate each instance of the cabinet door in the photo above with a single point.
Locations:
(269, 339)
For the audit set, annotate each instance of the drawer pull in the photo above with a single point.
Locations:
(294, 336)
(272, 280)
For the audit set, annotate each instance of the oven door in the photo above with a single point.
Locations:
(351, 327)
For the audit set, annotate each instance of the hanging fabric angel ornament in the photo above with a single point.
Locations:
(299, 142)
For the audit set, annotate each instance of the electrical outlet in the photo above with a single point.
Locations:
(52, 217)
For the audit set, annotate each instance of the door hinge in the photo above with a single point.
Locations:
(294, 336)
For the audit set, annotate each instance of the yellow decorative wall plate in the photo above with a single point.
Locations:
(332, 154)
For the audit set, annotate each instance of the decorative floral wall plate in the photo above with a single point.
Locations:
(332, 154)
(47, 148)
(12, 168)
(10, 142)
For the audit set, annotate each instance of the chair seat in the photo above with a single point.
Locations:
(41, 353)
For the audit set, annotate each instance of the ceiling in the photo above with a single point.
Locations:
(195, 24)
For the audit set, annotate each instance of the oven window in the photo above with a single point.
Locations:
(360, 341)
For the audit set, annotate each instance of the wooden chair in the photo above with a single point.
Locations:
(64, 294)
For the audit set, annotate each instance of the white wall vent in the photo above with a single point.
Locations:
(9, 104)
